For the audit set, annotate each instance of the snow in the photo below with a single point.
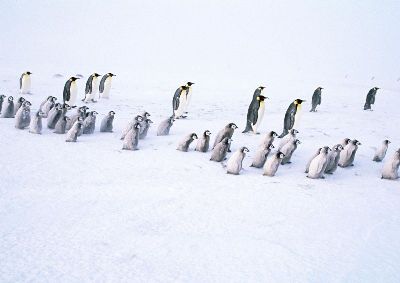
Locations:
(91, 212)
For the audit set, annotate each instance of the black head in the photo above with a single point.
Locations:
(111, 113)
(355, 142)
(2, 96)
(53, 98)
(171, 119)
(326, 149)
(21, 99)
(111, 75)
(320, 88)
(232, 125)
(271, 146)
(28, 73)
(386, 141)
(273, 134)
(189, 83)
(80, 119)
(66, 118)
(74, 79)
(10, 98)
(26, 103)
(337, 147)
(148, 121)
(294, 131)
(193, 136)
(244, 149)
(146, 114)
(298, 101)
(207, 133)
(280, 155)
(136, 126)
(261, 87)
(96, 75)
(94, 113)
(139, 118)
(297, 141)
(376, 88)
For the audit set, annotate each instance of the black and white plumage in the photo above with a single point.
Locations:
(106, 125)
(70, 91)
(348, 153)
(188, 96)
(255, 111)
(316, 99)
(25, 83)
(203, 143)
(235, 162)
(92, 86)
(370, 99)
(47, 105)
(291, 116)
(58, 113)
(261, 156)
(380, 153)
(23, 116)
(185, 143)
(179, 102)
(18, 104)
(390, 170)
(105, 85)
(220, 150)
(131, 140)
(165, 126)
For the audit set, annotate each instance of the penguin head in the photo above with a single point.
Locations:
(207, 133)
(59, 107)
(53, 99)
(232, 125)
(326, 149)
(261, 87)
(244, 149)
(74, 79)
(10, 98)
(294, 131)
(189, 84)
(40, 113)
(66, 106)
(386, 141)
(273, 134)
(320, 88)
(346, 141)
(136, 126)
(80, 119)
(261, 97)
(148, 121)
(96, 75)
(376, 88)
(171, 120)
(139, 118)
(26, 103)
(21, 100)
(93, 113)
(28, 73)
(337, 147)
(299, 101)
(297, 141)
(355, 142)
(2, 96)
(193, 136)
(271, 146)
(280, 155)
(111, 74)
(66, 118)
(111, 113)
(146, 114)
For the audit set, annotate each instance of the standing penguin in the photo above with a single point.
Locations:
(48, 105)
(54, 115)
(288, 138)
(1, 101)
(145, 128)
(131, 139)
(80, 112)
(311, 159)
(137, 119)
(107, 123)
(92, 85)
(333, 159)
(203, 143)
(72, 134)
(316, 99)
(23, 116)
(105, 85)
(268, 139)
(8, 108)
(390, 170)
(234, 164)
(348, 153)
(252, 111)
(291, 116)
(345, 142)
(61, 125)
(288, 150)
(370, 99)
(18, 104)
(35, 126)
(185, 143)
(226, 132)
(145, 115)
(220, 150)
(381, 152)
(261, 156)
(165, 126)
(89, 124)
(70, 91)
(272, 164)
(179, 102)
(188, 96)
(25, 83)
(318, 164)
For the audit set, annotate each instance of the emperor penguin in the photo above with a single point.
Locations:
(333, 159)
(44, 101)
(72, 134)
(370, 99)
(348, 153)
(288, 138)
(144, 130)
(18, 104)
(35, 126)
(8, 108)
(137, 119)
(107, 123)
(25, 83)
(48, 105)
(188, 96)
(89, 124)
(318, 164)
(165, 126)
(272, 164)
(291, 116)
(256, 107)
(381, 152)
(145, 115)
(390, 170)
(53, 117)
(312, 158)
(179, 102)
(203, 142)
(185, 143)
(316, 99)
(131, 140)
(345, 142)
(268, 139)
(92, 85)
(288, 150)
(226, 132)
(70, 91)
(105, 85)
(261, 156)
(1, 101)
(235, 162)
(23, 116)
(80, 112)
(61, 125)
(220, 150)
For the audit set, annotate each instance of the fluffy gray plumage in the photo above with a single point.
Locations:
(106, 125)
(131, 140)
(137, 119)
(272, 164)
(72, 134)
(145, 128)
(203, 142)
(185, 143)
(347, 155)
(220, 150)
(165, 126)
(390, 170)
(35, 126)
(333, 159)
(89, 124)
(261, 156)
(288, 150)
(226, 132)
(61, 125)
(8, 108)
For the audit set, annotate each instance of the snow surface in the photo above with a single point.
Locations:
(91, 212)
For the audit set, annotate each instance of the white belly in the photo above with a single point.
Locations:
(182, 105)
(297, 117)
(26, 84)
(107, 87)
(188, 99)
(95, 87)
(261, 111)
(73, 94)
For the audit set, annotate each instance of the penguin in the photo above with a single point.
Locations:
(255, 112)
(203, 143)
(235, 162)
(268, 139)
(80, 112)
(370, 99)
(288, 138)
(220, 150)
(70, 91)
(316, 99)
(390, 170)
(89, 124)
(1, 101)
(381, 152)
(261, 156)
(18, 104)
(107, 123)
(145, 115)
(179, 102)
(131, 139)
(25, 83)
(53, 116)
(72, 134)
(311, 159)
(318, 164)
(185, 143)
(188, 96)
(345, 142)
(91, 89)
(333, 159)
(8, 108)
(291, 116)
(44, 101)
(145, 129)
(288, 150)
(61, 125)
(226, 132)
(272, 164)
(35, 126)
(23, 116)
(105, 85)
(348, 153)
(137, 119)
(48, 105)
(165, 126)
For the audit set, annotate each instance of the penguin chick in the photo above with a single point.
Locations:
(72, 134)
(145, 115)
(203, 143)
(345, 142)
(1, 101)
(80, 112)
(348, 153)
(272, 164)
(288, 150)
(381, 152)
(54, 116)
(185, 143)
(268, 139)
(165, 126)
(18, 104)
(23, 116)
(390, 170)
(226, 132)
(8, 108)
(48, 105)
(288, 138)
(35, 126)
(61, 125)
(318, 164)
(89, 124)
(333, 159)
(234, 164)
(131, 139)
(261, 156)
(137, 119)
(311, 159)
(220, 150)
(316, 99)
(107, 123)
(146, 127)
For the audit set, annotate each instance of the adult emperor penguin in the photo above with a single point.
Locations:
(35, 126)
(185, 143)
(70, 91)
(203, 142)
(107, 123)
(268, 139)
(348, 153)
(179, 102)
(316, 99)
(288, 150)
(89, 124)
(235, 162)
(72, 134)
(220, 150)
(188, 96)
(318, 164)
(92, 85)
(261, 156)
(226, 132)
(131, 140)
(25, 83)
(165, 126)
(333, 159)
(291, 116)
(272, 164)
(370, 99)
(256, 107)
(381, 152)
(390, 170)
(8, 108)
(105, 85)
